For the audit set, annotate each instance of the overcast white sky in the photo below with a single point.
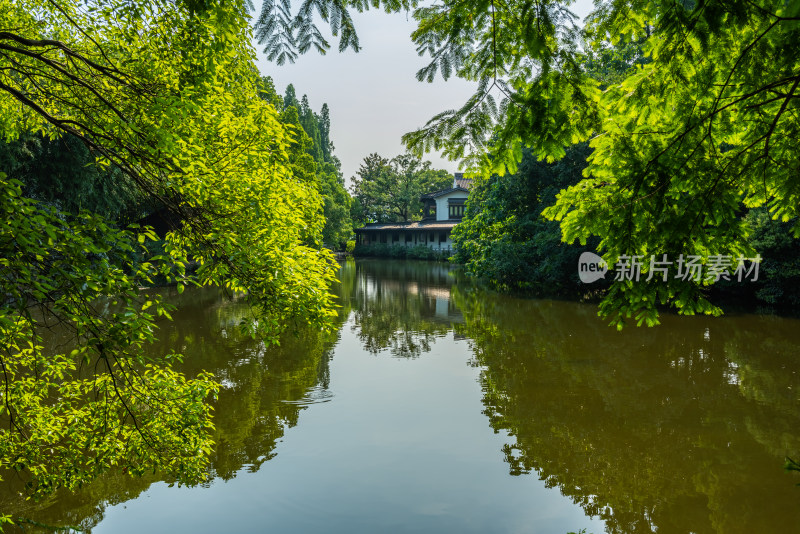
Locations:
(373, 96)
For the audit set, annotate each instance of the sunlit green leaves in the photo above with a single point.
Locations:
(168, 94)
(71, 416)
(707, 127)
(691, 110)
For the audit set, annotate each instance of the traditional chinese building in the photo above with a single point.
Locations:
(441, 211)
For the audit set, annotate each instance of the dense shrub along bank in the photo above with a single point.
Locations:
(383, 250)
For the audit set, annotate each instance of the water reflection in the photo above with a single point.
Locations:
(681, 428)
(402, 306)
(264, 391)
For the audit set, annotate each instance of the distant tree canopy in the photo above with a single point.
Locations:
(703, 124)
(314, 137)
(162, 98)
(389, 190)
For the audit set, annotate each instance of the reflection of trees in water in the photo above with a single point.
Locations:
(264, 388)
(681, 428)
(250, 414)
(83, 509)
(401, 306)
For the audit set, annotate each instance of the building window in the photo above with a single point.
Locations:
(395, 238)
(456, 211)
(408, 237)
(430, 209)
(442, 237)
(383, 238)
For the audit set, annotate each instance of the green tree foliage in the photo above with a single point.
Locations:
(704, 125)
(709, 128)
(373, 173)
(700, 129)
(166, 93)
(313, 155)
(778, 283)
(61, 172)
(309, 121)
(285, 35)
(389, 190)
(324, 120)
(505, 240)
(337, 201)
(301, 161)
(116, 405)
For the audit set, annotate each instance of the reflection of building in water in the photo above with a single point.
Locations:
(402, 306)
(443, 306)
(423, 287)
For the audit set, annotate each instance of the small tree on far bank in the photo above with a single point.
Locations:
(388, 190)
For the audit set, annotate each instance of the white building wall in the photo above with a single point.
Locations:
(441, 208)
(442, 213)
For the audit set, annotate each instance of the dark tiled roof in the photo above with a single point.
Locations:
(465, 183)
(437, 194)
(417, 225)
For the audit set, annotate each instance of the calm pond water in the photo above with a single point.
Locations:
(440, 407)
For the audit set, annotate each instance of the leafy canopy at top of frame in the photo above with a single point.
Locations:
(701, 126)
